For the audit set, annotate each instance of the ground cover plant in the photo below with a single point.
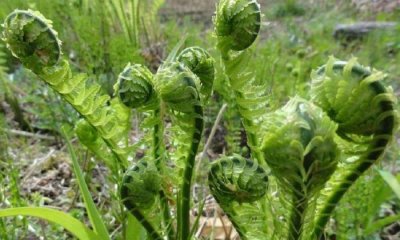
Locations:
(303, 156)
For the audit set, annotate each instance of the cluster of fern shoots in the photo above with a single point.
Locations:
(296, 149)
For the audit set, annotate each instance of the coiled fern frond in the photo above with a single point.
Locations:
(237, 24)
(363, 107)
(179, 89)
(235, 180)
(200, 62)
(32, 39)
(139, 190)
(299, 148)
(134, 86)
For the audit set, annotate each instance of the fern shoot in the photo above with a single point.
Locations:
(135, 89)
(31, 38)
(237, 24)
(235, 179)
(140, 186)
(299, 148)
(179, 88)
(200, 62)
(363, 107)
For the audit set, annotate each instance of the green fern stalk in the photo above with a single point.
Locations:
(158, 146)
(237, 24)
(355, 97)
(179, 88)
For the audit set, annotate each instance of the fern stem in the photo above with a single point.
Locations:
(184, 220)
(157, 145)
(299, 207)
(374, 152)
(231, 63)
(253, 142)
(237, 227)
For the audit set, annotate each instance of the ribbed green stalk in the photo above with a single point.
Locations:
(157, 145)
(298, 213)
(188, 174)
(153, 234)
(375, 152)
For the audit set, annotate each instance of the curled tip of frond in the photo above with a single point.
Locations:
(178, 87)
(134, 86)
(299, 145)
(140, 186)
(355, 97)
(237, 179)
(237, 24)
(32, 39)
(200, 62)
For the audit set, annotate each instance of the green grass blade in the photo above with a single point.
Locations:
(93, 213)
(174, 52)
(71, 224)
(391, 181)
(379, 224)
(134, 230)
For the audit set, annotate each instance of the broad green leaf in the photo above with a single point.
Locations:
(71, 224)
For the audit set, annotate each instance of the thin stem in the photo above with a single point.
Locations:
(248, 124)
(157, 145)
(184, 220)
(300, 203)
(211, 136)
(251, 137)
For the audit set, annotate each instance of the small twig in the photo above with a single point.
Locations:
(38, 163)
(28, 134)
(211, 136)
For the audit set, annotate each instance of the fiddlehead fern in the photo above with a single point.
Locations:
(200, 62)
(299, 148)
(32, 39)
(179, 88)
(139, 190)
(235, 179)
(134, 86)
(354, 97)
(135, 89)
(237, 23)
